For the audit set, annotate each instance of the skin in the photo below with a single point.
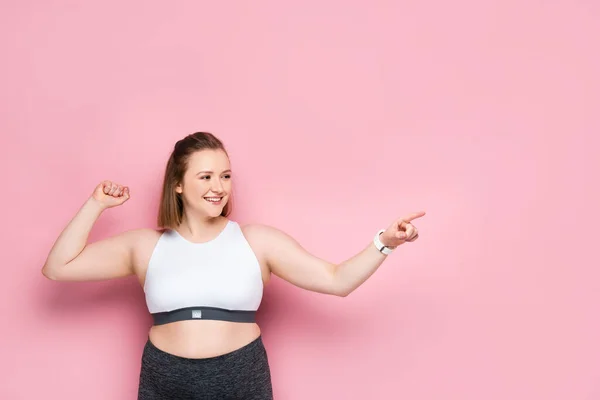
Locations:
(72, 258)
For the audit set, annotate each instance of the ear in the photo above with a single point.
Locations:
(179, 188)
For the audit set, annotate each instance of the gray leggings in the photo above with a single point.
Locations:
(241, 374)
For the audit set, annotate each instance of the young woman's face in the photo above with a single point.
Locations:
(206, 185)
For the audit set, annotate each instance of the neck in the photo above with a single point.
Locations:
(199, 225)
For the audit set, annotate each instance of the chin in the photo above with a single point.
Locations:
(216, 211)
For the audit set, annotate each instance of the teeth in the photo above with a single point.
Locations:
(213, 199)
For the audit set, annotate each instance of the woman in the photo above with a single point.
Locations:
(203, 275)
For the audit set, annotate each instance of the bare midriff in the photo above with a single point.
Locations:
(202, 339)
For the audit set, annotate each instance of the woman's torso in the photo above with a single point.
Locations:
(194, 338)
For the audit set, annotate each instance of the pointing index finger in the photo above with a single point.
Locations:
(412, 216)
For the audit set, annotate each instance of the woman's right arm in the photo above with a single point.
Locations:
(72, 259)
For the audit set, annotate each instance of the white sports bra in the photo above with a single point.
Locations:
(220, 279)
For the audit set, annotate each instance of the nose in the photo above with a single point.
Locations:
(216, 186)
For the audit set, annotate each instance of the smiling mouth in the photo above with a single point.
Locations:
(214, 200)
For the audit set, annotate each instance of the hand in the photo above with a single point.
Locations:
(109, 194)
(402, 230)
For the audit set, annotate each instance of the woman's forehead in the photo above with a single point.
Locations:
(210, 160)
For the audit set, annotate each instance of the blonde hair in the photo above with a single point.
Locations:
(170, 211)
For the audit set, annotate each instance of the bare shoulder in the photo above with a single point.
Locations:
(257, 236)
(264, 238)
(144, 235)
(143, 241)
(260, 237)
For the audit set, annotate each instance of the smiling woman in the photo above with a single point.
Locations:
(203, 275)
(199, 163)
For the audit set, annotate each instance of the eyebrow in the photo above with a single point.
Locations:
(210, 172)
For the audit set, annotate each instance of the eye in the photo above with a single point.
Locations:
(206, 176)
(227, 176)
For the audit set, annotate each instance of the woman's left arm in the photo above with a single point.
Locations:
(287, 259)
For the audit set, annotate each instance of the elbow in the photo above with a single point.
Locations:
(49, 273)
(339, 288)
(341, 292)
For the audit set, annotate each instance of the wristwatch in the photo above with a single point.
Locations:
(380, 246)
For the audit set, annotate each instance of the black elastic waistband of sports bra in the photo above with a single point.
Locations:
(213, 313)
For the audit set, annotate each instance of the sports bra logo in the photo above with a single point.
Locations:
(196, 313)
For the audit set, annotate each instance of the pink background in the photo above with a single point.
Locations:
(339, 117)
